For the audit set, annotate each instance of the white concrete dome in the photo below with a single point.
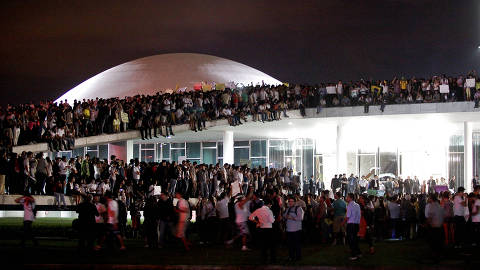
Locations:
(157, 73)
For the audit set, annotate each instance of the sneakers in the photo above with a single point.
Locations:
(353, 258)
(229, 242)
(244, 248)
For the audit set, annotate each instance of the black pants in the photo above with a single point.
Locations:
(28, 233)
(268, 243)
(460, 227)
(435, 238)
(294, 243)
(86, 236)
(352, 238)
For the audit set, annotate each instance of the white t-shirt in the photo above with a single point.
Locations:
(235, 188)
(222, 208)
(476, 217)
(136, 172)
(112, 212)
(242, 214)
(458, 208)
(182, 204)
(27, 210)
(62, 166)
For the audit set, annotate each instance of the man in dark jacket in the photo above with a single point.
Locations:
(86, 223)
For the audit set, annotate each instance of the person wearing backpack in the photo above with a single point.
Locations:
(293, 217)
(29, 213)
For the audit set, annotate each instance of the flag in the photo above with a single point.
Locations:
(286, 84)
(206, 87)
(220, 86)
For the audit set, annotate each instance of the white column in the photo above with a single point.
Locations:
(129, 151)
(467, 156)
(228, 147)
(340, 150)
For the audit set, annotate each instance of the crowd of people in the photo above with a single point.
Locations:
(257, 207)
(60, 123)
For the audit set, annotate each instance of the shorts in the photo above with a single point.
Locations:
(181, 226)
(243, 228)
(337, 224)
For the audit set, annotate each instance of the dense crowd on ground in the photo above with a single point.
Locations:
(258, 207)
(60, 123)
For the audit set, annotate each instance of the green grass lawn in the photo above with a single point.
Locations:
(39, 222)
(402, 254)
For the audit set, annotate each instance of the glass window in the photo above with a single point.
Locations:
(295, 164)
(220, 161)
(177, 153)
(456, 143)
(79, 152)
(165, 151)
(476, 153)
(388, 163)
(147, 155)
(148, 146)
(177, 145)
(159, 152)
(308, 161)
(308, 141)
(276, 142)
(193, 150)
(276, 155)
(220, 149)
(241, 156)
(209, 144)
(258, 148)
(351, 163)
(103, 151)
(318, 173)
(136, 149)
(240, 143)
(366, 164)
(67, 154)
(289, 148)
(209, 156)
(455, 167)
(259, 162)
(92, 148)
(93, 154)
(192, 160)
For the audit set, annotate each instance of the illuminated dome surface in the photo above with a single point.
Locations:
(157, 73)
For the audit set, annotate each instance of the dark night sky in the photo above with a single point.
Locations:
(48, 47)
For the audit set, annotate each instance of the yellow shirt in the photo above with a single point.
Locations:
(403, 84)
(86, 113)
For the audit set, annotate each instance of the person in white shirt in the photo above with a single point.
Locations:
(136, 172)
(28, 217)
(475, 214)
(459, 205)
(183, 211)
(264, 219)
(241, 217)
(223, 215)
(293, 216)
(112, 221)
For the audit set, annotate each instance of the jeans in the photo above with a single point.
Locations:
(173, 184)
(58, 197)
(352, 238)
(163, 226)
